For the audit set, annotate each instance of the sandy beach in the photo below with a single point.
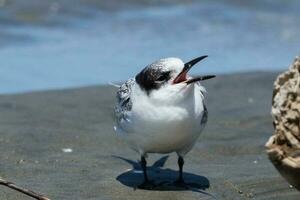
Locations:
(38, 130)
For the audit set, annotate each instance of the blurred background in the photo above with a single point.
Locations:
(51, 44)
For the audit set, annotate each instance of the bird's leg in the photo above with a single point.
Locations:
(180, 182)
(180, 164)
(146, 184)
(144, 167)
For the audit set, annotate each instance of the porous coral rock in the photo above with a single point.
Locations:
(283, 147)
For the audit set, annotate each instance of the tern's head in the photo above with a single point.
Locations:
(169, 74)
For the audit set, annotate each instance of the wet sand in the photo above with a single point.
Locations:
(228, 161)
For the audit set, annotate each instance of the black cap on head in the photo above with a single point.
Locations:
(152, 77)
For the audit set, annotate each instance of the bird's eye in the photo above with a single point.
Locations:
(163, 77)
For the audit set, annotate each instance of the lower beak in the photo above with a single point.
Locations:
(199, 78)
(187, 66)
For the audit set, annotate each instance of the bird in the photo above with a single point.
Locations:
(162, 110)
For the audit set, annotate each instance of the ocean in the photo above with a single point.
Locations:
(73, 43)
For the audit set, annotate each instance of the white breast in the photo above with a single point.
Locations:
(154, 127)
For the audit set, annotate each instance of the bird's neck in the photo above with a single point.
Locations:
(171, 96)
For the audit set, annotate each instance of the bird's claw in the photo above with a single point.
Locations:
(181, 184)
(148, 185)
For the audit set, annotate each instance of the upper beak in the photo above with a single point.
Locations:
(187, 66)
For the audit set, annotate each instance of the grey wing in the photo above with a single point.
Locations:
(123, 102)
(204, 116)
(205, 112)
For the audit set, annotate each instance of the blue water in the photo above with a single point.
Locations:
(111, 46)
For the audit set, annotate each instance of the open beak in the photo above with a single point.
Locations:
(182, 76)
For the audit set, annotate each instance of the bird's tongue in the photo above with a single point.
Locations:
(180, 78)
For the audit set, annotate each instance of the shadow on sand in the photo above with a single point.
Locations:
(163, 178)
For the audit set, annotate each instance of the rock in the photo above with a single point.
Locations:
(283, 147)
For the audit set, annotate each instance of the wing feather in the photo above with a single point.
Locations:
(123, 104)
